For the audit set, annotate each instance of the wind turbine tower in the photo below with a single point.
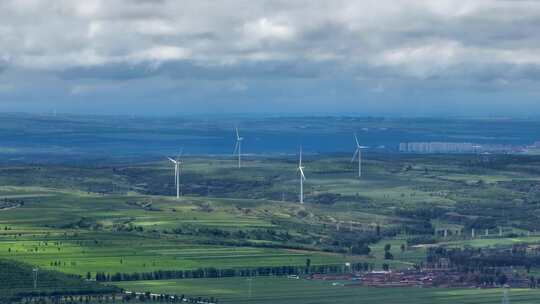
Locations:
(238, 148)
(358, 153)
(177, 172)
(35, 276)
(505, 299)
(302, 177)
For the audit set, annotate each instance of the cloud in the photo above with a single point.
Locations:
(388, 44)
(418, 38)
(266, 29)
(187, 69)
(159, 54)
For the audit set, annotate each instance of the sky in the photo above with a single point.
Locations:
(161, 57)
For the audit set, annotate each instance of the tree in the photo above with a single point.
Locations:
(361, 249)
(387, 254)
(502, 279)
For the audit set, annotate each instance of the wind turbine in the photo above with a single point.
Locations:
(35, 275)
(177, 172)
(302, 177)
(358, 152)
(238, 148)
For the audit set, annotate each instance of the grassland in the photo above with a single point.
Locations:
(282, 290)
(17, 280)
(119, 217)
(50, 228)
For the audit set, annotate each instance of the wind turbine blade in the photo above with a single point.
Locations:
(235, 148)
(302, 174)
(237, 134)
(172, 160)
(356, 139)
(300, 160)
(354, 155)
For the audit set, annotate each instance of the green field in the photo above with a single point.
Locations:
(130, 254)
(42, 233)
(282, 290)
(17, 279)
(122, 218)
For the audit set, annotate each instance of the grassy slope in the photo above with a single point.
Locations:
(17, 278)
(34, 236)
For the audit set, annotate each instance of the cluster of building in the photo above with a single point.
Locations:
(458, 147)
(442, 278)
(408, 278)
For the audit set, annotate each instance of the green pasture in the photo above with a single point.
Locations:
(493, 242)
(101, 253)
(123, 217)
(299, 291)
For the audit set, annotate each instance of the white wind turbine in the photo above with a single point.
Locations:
(177, 172)
(358, 152)
(302, 177)
(238, 148)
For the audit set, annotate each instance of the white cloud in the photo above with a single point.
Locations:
(426, 59)
(94, 29)
(154, 27)
(160, 53)
(87, 8)
(266, 29)
(409, 38)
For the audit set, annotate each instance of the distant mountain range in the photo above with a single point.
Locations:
(44, 137)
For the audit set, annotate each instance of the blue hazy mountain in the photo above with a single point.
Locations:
(114, 136)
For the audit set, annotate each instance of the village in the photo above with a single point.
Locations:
(441, 278)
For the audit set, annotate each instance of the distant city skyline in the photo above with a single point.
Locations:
(144, 57)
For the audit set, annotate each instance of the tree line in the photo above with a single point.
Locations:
(231, 272)
(144, 297)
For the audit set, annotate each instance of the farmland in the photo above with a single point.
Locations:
(270, 290)
(119, 222)
(290, 152)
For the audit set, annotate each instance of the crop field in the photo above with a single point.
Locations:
(123, 218)
(128, 254)
(48, 233)
(282, 290)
